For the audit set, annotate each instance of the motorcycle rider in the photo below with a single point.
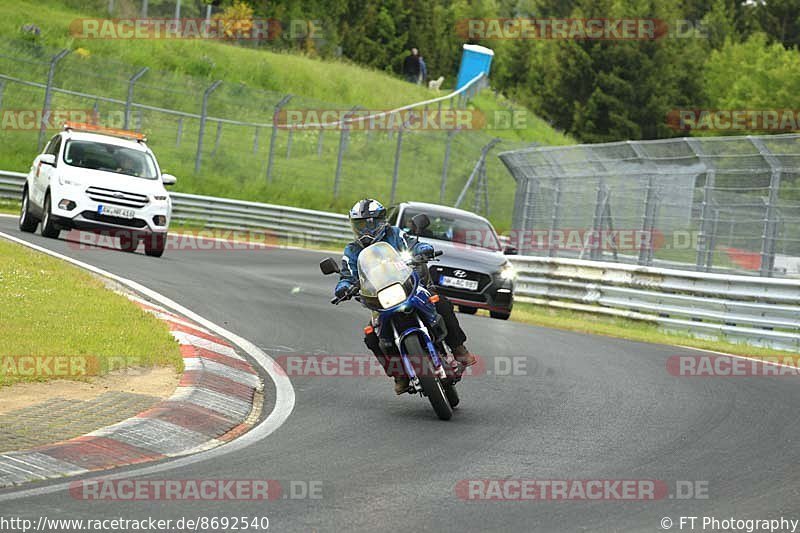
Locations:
(368, 220)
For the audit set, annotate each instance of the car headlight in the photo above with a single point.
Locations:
(508, 272)
(391, 296)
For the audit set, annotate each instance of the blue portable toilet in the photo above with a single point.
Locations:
(474, 60)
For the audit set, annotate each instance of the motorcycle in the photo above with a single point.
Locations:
(393, 287)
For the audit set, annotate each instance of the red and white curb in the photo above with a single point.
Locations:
(218, 398)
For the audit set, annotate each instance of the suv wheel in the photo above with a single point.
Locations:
(49, 229)
(501, 315)
(128, 242)
(467, 310)
(154, 244)
(27, 222)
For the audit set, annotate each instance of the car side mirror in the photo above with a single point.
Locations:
(48, 159)
(329, 266)
(168, 179)
(420, 223)
(510, 250)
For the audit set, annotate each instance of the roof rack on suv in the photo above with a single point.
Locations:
(114, 132)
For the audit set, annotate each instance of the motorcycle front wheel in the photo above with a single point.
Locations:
(430, 384)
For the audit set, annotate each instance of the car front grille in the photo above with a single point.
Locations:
(482, 279)
(121, 198)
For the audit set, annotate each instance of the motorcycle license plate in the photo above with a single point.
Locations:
(112, 211)
(458, 283)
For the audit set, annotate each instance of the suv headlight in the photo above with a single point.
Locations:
(508, 272)
(391, 296)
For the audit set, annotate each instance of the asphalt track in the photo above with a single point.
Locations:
(586, 407)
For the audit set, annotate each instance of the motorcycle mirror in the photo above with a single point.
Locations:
(420, 222)
(329, 266)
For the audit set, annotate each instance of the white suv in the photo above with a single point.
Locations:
(101, 180)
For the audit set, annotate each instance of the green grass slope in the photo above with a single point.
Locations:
(234, 157)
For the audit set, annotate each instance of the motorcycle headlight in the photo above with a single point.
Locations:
(391, 296)
(508, 272)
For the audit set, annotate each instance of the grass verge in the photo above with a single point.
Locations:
(51, 309)
(625, 328)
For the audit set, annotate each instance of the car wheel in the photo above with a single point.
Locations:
(49, 229)
(467, 310)
(500, 315)
(154, 244)
(27, 222)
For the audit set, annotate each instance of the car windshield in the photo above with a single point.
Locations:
(110, 158)
(456, 229)
(379, 266)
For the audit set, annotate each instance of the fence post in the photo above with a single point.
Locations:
(597, 221)
(216, 140)
(129, 99)
(2, 90)
(769, 235)
(110, 7)
(340, 156)
(48, 95)
(712, 241)
(705, 209)
(319, 143)
(647, 221)
(144, 9)
(555, 219)
(475, 170)
(446, 164)
(255, 140)
(274, 136)
(203, 116)
(179, 135)
(396, 172)
(289, 144)
(177, 9)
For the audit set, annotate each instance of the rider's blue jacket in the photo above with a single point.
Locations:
(396, 237)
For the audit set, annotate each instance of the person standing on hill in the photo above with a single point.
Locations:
(423, 71)
(411, 66)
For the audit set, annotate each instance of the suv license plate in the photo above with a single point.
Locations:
(112, 211)
(468, 284)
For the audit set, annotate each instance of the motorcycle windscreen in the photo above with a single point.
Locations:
(380, 265)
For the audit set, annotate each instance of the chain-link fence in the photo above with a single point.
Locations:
(706, 203)
(225, 139)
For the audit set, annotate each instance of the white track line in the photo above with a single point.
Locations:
(284, 392)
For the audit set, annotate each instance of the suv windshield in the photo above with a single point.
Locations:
(110, 158)
(453, 228)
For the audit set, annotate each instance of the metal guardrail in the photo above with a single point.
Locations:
(742, 309)
(746, 309)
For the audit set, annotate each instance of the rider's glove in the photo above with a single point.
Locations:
(424, 250)
(342, 288)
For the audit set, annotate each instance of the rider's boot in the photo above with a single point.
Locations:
(463, 356)
(401, 384)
